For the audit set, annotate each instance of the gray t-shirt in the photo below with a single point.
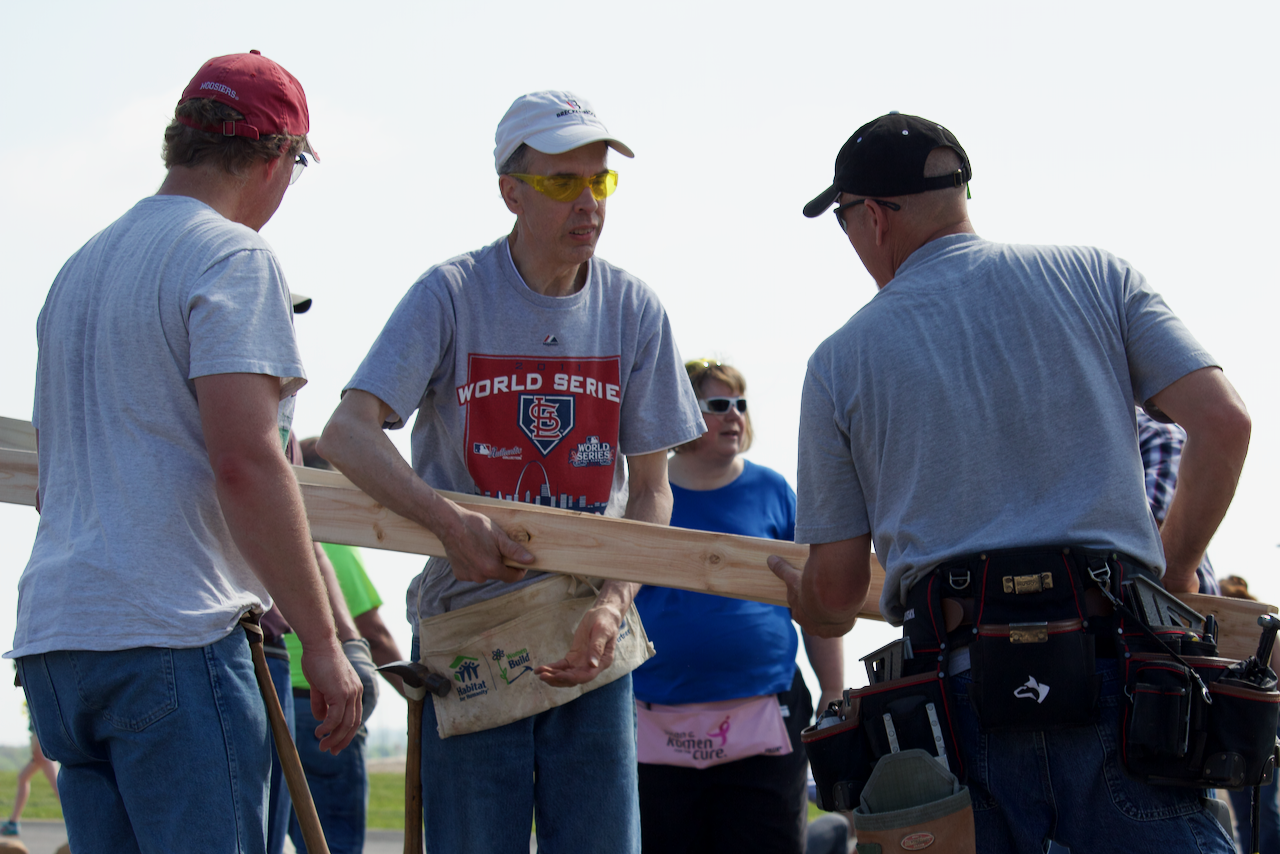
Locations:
(984, 399)
(526, 397)
(132, 548)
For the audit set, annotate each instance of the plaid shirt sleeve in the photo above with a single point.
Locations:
(1161, 448)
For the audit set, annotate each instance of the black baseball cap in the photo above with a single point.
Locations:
(885, 157)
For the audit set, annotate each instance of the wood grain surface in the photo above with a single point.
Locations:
(588, 544)
(17, 434)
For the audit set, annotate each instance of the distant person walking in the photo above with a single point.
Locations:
(39, 762)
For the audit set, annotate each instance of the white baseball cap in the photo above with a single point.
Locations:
(552, 122)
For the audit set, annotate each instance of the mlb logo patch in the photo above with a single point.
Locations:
(546, 419)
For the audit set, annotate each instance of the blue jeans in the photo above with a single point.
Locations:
(279, 807)
(339, 786)
(573, 766)
(1068, 785)
(162, 750)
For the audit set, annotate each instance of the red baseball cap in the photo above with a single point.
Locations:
(270, 98)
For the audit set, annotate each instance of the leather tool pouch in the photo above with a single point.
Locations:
(1173, 735)
(911, 713)
(888, 717)
(839, 757)
(1032, 655)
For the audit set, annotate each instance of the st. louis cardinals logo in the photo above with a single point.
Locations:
(546, 419)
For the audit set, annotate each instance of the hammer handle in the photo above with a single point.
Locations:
(413, 841)
(294, 776)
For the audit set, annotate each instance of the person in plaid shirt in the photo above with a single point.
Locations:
(1161, 449)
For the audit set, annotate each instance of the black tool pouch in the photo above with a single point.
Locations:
(1175, 735)
(884, 718)
(911, 713)
(839, 757)
(1032, 655)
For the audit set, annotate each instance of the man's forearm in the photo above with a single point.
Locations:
(383, 648)
(343, 623)
(826, 656)
(1207, 478)
(834, 585)
(649, 499)
(368, 458)
(1206, 405)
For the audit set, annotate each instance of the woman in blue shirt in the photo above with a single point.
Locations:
(725, 671)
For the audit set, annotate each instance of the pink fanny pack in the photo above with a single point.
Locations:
(699, 735)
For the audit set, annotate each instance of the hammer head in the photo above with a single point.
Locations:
(418, 677)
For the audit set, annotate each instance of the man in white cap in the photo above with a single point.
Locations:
(532, 365)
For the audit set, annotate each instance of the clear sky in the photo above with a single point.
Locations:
(1139, 127)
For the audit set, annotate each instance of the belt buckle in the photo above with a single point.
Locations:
(1037, 583)
(1028, 633)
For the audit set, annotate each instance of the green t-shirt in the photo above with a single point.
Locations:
(359, 591)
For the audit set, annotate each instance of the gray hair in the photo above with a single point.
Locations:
(517, 162)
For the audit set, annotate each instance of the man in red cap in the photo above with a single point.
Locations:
(167, 365)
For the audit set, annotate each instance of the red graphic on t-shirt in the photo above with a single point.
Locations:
(543, 431)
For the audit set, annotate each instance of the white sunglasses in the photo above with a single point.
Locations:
(721, 405)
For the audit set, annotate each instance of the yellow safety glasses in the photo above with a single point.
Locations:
(566, 188)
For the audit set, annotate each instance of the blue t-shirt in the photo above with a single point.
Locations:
(711, 647)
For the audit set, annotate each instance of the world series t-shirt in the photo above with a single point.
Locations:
(526, 397)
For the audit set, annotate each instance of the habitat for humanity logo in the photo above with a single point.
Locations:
(517, 663)
(466, 671)
(593, 452)
(546, 419)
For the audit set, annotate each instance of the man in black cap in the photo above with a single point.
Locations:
(982, 403)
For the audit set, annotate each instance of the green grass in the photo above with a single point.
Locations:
(42, 803)
(386, 802)
(386, 799)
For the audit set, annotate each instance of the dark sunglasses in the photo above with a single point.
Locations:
(839, 212)
(721, 405)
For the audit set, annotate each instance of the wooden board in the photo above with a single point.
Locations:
(571, 542)
(18, 476)
(1238, 629)
(17, 434)
(566, 541)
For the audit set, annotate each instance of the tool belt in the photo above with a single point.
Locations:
(1032, 623)
(490, 650)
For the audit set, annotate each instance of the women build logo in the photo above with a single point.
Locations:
(516, 664)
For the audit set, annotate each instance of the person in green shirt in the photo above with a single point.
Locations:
(339, 784)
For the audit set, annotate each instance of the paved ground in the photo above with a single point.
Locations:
(44, 837)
